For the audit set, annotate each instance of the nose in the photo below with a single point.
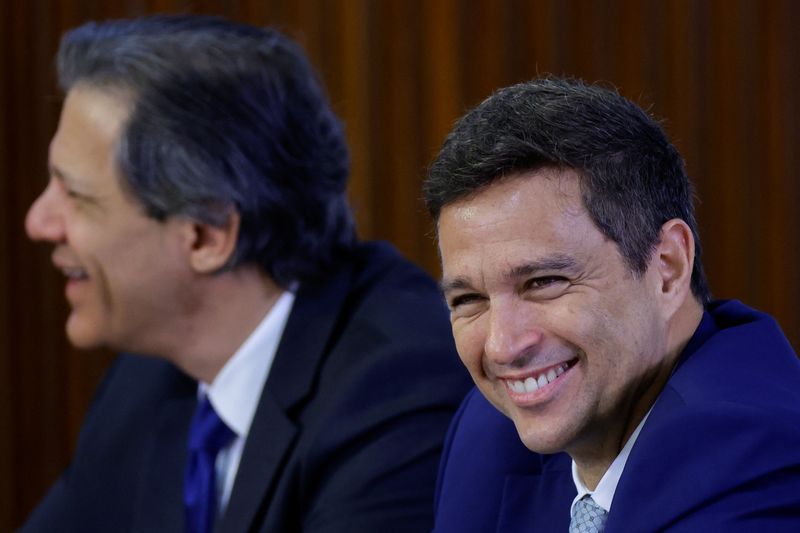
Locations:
(45, 221)
(514, 333)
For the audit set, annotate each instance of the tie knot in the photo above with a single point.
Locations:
(208, 432)
(587, 517)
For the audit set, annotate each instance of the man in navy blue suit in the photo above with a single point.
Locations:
(612, 393)
(298, 380)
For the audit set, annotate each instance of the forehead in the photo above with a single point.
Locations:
(91, 122)
(531, 216)
(546, 189)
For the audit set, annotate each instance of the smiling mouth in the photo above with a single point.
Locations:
(541, 379)
(75, 273)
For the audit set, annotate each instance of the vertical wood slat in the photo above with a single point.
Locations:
(778, 175)
(395, 124)
(442, 96)
(36, 382)
(722, 74)
(726, 180)
(680, 95)
(6, 248)
(538, 24)
(484, 43)
(354, 24)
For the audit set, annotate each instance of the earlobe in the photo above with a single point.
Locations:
(675, 260)
(211, 246)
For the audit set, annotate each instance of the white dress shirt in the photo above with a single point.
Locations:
(603, 495)
(236, 390)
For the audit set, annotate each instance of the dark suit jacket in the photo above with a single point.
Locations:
(347, 435)
(720, 450)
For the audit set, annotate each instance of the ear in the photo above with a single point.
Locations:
(211, 247)
(674, 261)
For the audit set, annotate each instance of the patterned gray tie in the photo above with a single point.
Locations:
(587, 517)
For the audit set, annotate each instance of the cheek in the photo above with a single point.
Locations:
(575, 323)
(613, 338)
(87, 239)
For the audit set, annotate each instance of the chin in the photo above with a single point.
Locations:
(539, 441)
(82, 335)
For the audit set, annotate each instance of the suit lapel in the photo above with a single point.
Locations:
(264, 454)
(538, 502)
(161, 497)
(308, 333)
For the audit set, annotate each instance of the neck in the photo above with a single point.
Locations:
(229, 307)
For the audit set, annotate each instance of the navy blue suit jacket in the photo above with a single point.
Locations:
(720, 450)
(346, 437)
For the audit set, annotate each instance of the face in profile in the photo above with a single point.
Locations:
(123, 270)
(553, 326)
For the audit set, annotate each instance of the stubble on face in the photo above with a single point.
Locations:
(580, 309)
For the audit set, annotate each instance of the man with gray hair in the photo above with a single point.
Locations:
(633, 402)
(302, 381)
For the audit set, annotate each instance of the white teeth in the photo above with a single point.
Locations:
(531, 384)
(74, 273)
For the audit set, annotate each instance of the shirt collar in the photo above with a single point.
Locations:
(604, 493)
(235, 391)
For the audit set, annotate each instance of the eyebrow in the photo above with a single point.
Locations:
(558, 262)
(555, 263)
(66, 178)
(58, 173)
(446, 286)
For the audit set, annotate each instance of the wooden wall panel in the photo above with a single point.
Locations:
(723, 75)
(776, 176)
(6, 367)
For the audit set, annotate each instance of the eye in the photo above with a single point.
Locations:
(544, 281)
(546, 287)
(465, 305)
(64, 188)
(461, 300)
(78, 198)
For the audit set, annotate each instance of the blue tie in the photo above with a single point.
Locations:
(208, 434)
(588, 517)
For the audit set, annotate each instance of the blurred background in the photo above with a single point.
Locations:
(722, 74)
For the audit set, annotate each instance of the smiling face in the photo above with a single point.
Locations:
(125, 271)
(553, 326)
